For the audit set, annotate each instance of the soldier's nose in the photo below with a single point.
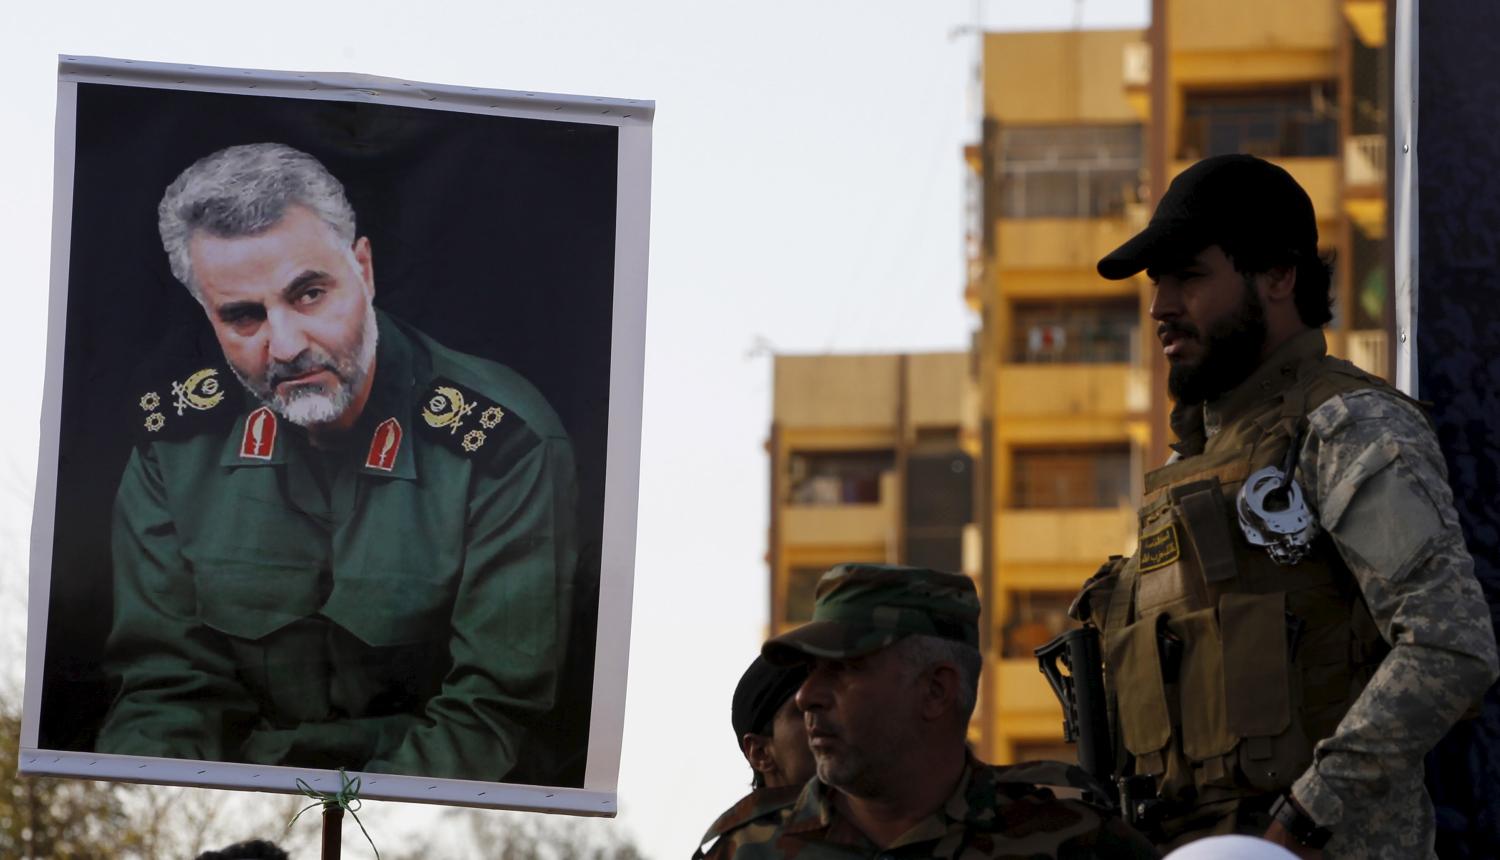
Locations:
(810, 696)
(286, 342)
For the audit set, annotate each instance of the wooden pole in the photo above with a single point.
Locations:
(333, 831)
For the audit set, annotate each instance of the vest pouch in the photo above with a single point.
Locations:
(1207, 740)
(1135, 670)
(1258, 692)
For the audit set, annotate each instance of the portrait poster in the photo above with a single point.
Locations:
(341, 436)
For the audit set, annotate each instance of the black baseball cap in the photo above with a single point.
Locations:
(1239, 197)
(761, 691)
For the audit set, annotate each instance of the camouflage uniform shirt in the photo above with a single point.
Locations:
(1375, 475)
(995, 812)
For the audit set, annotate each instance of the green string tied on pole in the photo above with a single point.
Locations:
(346, 798)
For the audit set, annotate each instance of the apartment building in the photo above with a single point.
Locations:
(868, 463)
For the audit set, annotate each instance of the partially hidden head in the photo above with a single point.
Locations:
(893, 671)
(1229, 232)
(768, 724)
(263, 236)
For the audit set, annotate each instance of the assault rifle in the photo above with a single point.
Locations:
(1085, 711)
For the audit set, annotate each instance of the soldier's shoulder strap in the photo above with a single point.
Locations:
(1334, 377)
(475, 427)
(763, 805)
(172, 403)
(1340, 376)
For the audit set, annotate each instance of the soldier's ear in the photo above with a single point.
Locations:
(365, 259)
(1280, 283)
(939, 690)
(757, 750)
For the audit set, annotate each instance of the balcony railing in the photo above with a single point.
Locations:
(1364, 160)
(1367, 349)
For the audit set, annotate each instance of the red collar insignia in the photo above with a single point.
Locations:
(384, 446)
(260, 434)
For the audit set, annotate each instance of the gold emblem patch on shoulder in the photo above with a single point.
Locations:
(466, 422)
(201, 391)
(447, 408)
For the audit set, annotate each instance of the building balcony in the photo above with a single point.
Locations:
(1062, 538)
(1368, 350)
(858, 525)
(1057, 243)
(1041, 390)
(1367, 17)
(1364, 163)
(1024, 704)
(1269, 26)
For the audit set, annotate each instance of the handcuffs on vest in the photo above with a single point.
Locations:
(1273, 512)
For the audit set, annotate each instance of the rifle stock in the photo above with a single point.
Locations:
(1081, 692)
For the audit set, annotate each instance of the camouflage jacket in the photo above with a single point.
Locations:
(1372, 470)
(994, 812)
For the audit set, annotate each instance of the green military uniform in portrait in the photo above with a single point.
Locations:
(399, 604)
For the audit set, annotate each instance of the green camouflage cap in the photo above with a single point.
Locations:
(862, 608)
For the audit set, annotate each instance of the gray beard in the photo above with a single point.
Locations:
(310, 405)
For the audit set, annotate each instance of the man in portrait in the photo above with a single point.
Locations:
(336, 543)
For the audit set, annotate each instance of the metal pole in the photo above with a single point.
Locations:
(1404, 194)
(333, 831)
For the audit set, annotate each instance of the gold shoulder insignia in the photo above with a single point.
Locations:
(183, 406)
(200, 391)
(448, 413)
(447, 408)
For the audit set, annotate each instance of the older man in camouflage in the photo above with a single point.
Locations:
(893, 661)
(1301, 622)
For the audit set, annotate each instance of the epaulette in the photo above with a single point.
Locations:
(469, 424)
(184, 404)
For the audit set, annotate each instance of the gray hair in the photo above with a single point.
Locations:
(242, 191)
(919, 653)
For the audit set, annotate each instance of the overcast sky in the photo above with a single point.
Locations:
(807, 197)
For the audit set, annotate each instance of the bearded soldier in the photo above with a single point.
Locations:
(1300, 623)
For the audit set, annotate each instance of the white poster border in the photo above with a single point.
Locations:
(633, 118)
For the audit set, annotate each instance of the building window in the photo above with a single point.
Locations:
(1071, 477)
(1078, 332)
(1035, 618)
(838, 477)
(1087, 171)
(1273, 123)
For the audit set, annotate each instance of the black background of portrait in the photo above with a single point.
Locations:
(493, 235)
(1458, 359)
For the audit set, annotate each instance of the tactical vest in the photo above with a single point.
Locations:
(1225, 667)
